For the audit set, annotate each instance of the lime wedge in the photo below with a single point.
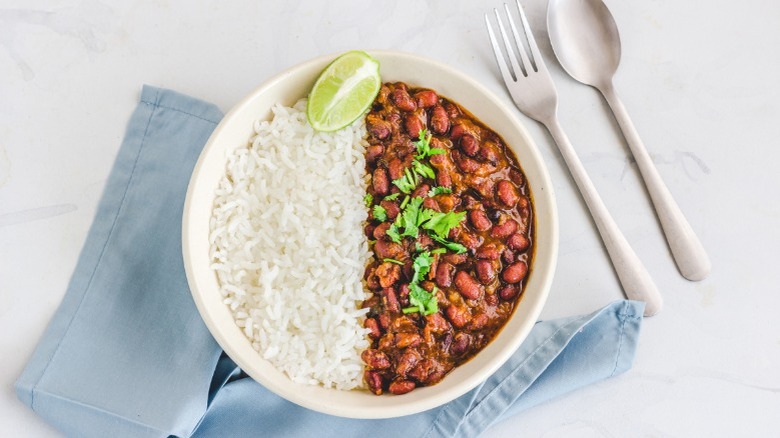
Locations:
(344, 91)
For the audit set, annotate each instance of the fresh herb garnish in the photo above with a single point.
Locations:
(393, 261)
(457, 248)
(392, 197)
(438, 191)
(420, 299)
(392, 232)
(410, 217)
(368, 199)
(421, 266)
(405, 201)
(442, 223)
(406, 183)
(423, 169)
(439, 251)
(380, 213)
(424, 148)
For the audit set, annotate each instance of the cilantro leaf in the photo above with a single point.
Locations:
(452, 246)
(421, 300)
(368, 199)
(438, 191)
(392, 197)
(380, 213)
(406, 183)
(393, 233)
(409, 217)
(441, 223)
(421, 266)
(423, 169)
(423, 144)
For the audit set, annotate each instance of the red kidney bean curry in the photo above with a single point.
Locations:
(450, 224)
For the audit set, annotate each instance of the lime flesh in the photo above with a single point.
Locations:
(344, 91)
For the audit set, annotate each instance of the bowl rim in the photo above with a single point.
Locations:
(286, 390)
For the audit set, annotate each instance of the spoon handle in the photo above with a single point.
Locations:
(689, 254)
(636, 281)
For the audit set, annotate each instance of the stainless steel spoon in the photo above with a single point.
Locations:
(586, 42)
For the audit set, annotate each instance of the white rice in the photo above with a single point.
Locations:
(288, 248)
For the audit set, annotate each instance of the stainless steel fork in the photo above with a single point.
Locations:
(533, 91)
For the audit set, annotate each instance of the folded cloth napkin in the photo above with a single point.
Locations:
(126, 353)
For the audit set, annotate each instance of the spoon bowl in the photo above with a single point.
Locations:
(585, 39)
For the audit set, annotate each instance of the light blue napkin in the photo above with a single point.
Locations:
(127, 354)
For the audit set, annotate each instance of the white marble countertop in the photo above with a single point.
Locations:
(699, 78)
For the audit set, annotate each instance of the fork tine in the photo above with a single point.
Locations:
(523, 55)
(497, 51)
(537, 56)
(519, 71)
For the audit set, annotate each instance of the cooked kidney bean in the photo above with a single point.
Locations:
(518, 242)
(369, 229)
(465, 163)
(406, 362)
(400, 386)
(460, 344)
(379, 128)
(444, 274)
(508, 292)
(373, 152)
(444, 179)
(375, 359)
(505, 229)
(413, 125)
(388, 250)
(403, 100)
(507, 193)
(515, 272)
(374, 381)
(391, 208)
(489, 152)
(475, 291)
(380, 182)
(489, 252)
(440, 122)
(395, 168)
(426, 98)
(467, 285)
(485, 271)
(469, 145)
(508, 256)
(373, 326)
(380, 231)
(421, 191)
(479, 220)
(458, 316)
(458, 129)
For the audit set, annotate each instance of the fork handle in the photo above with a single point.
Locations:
(636, 281)
(687, 250)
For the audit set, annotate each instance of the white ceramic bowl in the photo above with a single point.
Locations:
(236, 129)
